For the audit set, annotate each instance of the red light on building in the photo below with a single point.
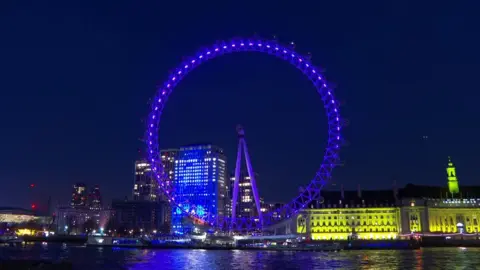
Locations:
(32, 185)
(34, 206)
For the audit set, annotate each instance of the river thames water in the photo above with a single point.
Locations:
(93, 258)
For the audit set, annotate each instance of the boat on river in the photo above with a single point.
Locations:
(110, 241)
(321, 246)
(10, 239)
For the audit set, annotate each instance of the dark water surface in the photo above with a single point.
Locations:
(122, 258)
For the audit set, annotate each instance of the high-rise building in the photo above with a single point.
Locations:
(95, 198)
(246, 203)
(136, 215)
(145, 186)
(200, 184)
(79, 195)
(168, 162)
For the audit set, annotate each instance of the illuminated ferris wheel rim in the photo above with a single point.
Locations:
(270, 47)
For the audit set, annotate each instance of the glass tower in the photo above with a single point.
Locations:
(200, 186)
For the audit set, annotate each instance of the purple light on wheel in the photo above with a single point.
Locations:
(329, 161)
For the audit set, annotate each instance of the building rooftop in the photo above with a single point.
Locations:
(15, 210)
(437, 192)
(355, 198)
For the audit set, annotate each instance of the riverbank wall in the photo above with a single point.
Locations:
(349, 245)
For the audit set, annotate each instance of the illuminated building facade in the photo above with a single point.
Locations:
(200, 184)
(11, 215)
(441, 210)
(388, 214)
(79, 195)
(145, 187)
(453, 187)
(441, 216)
(454, 216)
(349, 214)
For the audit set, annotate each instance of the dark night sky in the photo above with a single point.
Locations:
(75, 80)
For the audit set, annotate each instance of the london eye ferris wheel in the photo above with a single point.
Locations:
(243, 45)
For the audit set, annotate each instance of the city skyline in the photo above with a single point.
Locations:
(77, 96)
(168, 163)
(83, 197)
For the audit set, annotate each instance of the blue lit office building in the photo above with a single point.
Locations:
(200, 185)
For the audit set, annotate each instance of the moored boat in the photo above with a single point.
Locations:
(110, 241)
(10, 239)
(321, 246)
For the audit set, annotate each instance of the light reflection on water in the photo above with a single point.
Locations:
(123, 258)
